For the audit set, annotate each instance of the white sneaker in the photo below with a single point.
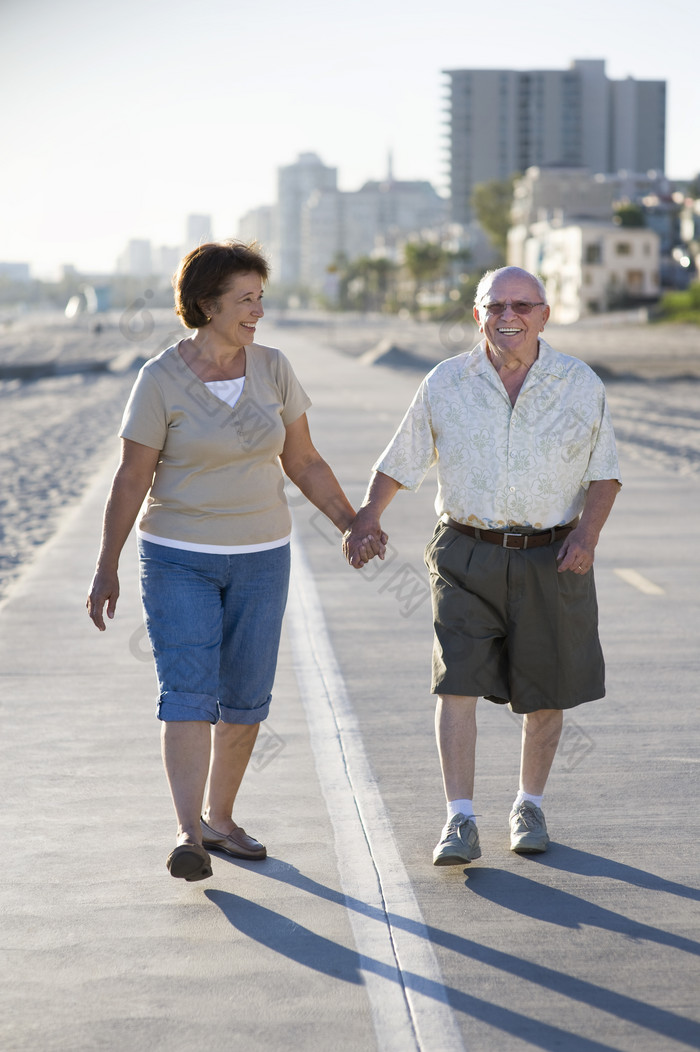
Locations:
(528, 829)
(459, 842)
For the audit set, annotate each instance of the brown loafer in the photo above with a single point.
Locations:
(237, 844)
(189, 862)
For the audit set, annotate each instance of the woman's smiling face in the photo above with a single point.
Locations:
(238, 309)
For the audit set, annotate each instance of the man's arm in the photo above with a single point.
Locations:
(381, 491)
(578, 550)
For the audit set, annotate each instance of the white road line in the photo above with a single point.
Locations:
(640, 582)
(407, 997)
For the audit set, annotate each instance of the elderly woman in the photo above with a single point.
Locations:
(205, 429)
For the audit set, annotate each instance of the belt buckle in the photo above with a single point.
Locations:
(519, 536)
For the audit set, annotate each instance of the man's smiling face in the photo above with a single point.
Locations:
(509, 333)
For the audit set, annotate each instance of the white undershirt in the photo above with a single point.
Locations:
(228, 391)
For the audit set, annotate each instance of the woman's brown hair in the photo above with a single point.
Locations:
(203, 275)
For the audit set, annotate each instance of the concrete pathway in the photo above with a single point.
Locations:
(346, 937)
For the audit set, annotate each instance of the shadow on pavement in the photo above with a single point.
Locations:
(311, 950)
(542, 902)
(507, 890)
(571, 860)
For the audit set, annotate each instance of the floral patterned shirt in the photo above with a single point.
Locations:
(500, 465)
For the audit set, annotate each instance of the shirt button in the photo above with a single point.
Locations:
(512, 489)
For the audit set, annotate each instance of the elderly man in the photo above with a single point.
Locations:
(527, 474)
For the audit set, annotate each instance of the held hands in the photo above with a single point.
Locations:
(363, 540)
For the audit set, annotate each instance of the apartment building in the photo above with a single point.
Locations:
(588, 266)
(505, 121)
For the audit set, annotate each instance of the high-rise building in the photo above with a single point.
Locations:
(313, 223)
(505, 121)
(258, 224)
(350, 224)
(136, 259)
(295, 184)
(166, 259)
(198, 231)
(638, 125)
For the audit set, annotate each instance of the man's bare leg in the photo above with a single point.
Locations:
(541, 734)
(540, 738)
(455, 730)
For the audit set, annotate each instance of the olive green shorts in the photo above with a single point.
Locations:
(509, 627)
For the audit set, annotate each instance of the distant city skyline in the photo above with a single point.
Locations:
(118, 122)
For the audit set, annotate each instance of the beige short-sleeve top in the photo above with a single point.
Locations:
(219, 480)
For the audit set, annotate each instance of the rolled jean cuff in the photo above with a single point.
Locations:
(175, 706)
(248, 716)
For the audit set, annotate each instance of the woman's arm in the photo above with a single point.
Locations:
(131, 483)
(307, 469)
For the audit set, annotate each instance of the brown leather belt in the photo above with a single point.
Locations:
(512, 540)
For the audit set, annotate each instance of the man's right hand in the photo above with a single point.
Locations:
(365, 537)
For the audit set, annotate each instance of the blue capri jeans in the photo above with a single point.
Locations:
(214, 624)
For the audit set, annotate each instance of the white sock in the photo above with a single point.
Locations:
(455, 806)
(521, 797)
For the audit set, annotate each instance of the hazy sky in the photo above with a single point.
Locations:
(118, 120)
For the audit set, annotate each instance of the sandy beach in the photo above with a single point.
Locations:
(64, 384)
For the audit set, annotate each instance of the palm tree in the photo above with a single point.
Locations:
(425, 262)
